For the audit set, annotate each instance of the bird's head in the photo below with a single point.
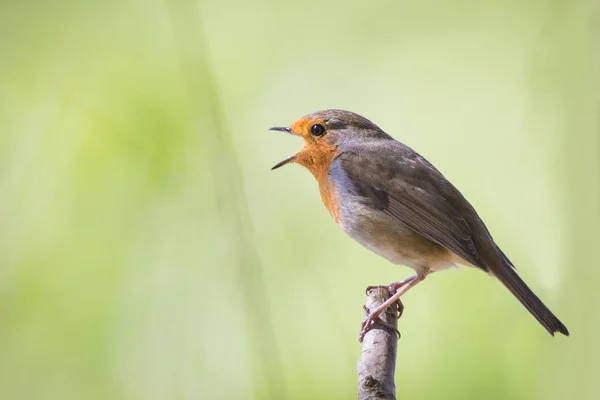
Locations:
(324, 132)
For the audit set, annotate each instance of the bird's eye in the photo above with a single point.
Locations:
(317, 130)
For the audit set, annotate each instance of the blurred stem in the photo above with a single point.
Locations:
(233, 209)
(571, 60)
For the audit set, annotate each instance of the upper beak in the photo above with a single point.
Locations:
(289, 159)
(281, 129)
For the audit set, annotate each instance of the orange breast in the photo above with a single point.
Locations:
(317, 158)
(329, 197)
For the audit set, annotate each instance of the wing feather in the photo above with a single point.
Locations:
(416, 194)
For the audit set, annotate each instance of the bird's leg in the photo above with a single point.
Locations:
(373, 317)
(386, 325)
(392, 287)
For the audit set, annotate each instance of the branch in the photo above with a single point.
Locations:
(378, 359)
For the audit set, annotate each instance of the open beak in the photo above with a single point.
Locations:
(289, 159)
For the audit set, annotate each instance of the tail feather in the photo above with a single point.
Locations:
(509, 277)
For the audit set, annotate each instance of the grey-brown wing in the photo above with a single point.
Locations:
(411, 190)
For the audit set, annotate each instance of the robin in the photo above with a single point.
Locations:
(392, 201)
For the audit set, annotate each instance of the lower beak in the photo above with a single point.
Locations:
(289, 159)
(286, 161)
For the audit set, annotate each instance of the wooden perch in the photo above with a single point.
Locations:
(378, 358)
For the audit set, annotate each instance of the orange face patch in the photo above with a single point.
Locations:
(302, 126)
(317, 153)
(316, 156)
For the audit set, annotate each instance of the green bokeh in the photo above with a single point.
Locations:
(147, 252)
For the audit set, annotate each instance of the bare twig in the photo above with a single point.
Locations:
(378, 359)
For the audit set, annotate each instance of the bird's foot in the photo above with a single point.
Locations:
(389, 288)
(369, 288)
(400, 308)
(392, 287)
(373, 319)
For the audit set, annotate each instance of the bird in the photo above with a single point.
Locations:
(394, 202)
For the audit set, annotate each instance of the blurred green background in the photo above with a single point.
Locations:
(148, 252)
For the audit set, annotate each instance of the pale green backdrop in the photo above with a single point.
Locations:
(148, 252)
